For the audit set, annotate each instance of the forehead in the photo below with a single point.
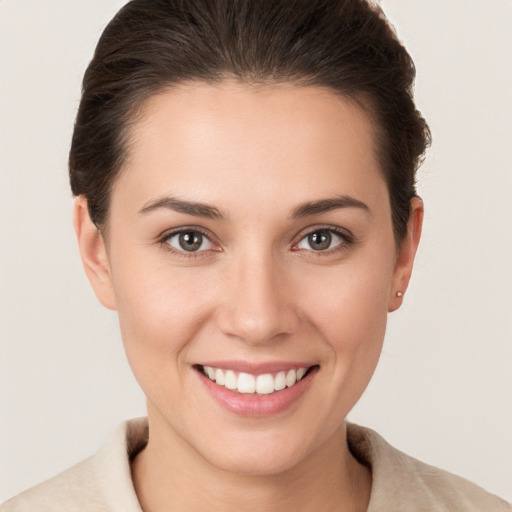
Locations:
(251, 141)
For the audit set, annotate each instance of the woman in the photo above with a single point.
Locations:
(245, 200)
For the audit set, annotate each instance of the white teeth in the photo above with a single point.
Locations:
(280, 381)
(291, 378)
(262, 384)
(265, 384)
(246, 383)
(231, 382)
(219, 377)
(300, 373)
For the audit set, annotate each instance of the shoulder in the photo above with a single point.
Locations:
(73, 490)
(403, 483)
(100, 483)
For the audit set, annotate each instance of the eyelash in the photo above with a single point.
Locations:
(348, 241)
(164, 242)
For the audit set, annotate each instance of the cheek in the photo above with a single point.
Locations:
(351, 299)
(347, 306)
(161, 309)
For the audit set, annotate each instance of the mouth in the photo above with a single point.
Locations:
(255, 384)
(256, 390)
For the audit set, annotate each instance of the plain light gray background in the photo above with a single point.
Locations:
(442, 391)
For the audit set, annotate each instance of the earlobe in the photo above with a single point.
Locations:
(91, 244)
(405, 255)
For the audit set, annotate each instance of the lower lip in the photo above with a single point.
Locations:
(257, 406)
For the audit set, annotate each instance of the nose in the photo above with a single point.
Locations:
(257, 305)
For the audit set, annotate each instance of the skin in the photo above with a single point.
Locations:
(258, 292)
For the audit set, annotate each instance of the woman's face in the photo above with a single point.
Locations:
(250, 232)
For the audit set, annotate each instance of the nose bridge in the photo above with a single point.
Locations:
(257, 306)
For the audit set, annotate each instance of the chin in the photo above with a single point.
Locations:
(257, 460)
(267, 451)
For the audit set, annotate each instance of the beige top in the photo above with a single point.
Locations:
(103, 483)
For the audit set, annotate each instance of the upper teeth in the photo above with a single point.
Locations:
(247, 383)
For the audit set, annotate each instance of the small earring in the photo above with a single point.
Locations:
(399, 294)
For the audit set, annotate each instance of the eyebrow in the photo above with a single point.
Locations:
(328, 205)
(211, 212)
(189, 207)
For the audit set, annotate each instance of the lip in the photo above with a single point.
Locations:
(252, 405)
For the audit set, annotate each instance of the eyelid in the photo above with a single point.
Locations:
(166, 235)
(346, 235)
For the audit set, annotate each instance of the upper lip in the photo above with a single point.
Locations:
(257, 368)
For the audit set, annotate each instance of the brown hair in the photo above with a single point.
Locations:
(344, 45)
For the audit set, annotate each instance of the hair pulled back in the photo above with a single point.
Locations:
(344, 45)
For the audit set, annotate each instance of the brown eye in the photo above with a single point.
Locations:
(321, 240)
(189, 241)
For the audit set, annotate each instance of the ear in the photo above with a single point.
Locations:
(91, 244)
(405, 255)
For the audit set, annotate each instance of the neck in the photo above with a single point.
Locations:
(170, 476)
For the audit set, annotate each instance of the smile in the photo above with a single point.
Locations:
(256, 390)
(247, 383)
